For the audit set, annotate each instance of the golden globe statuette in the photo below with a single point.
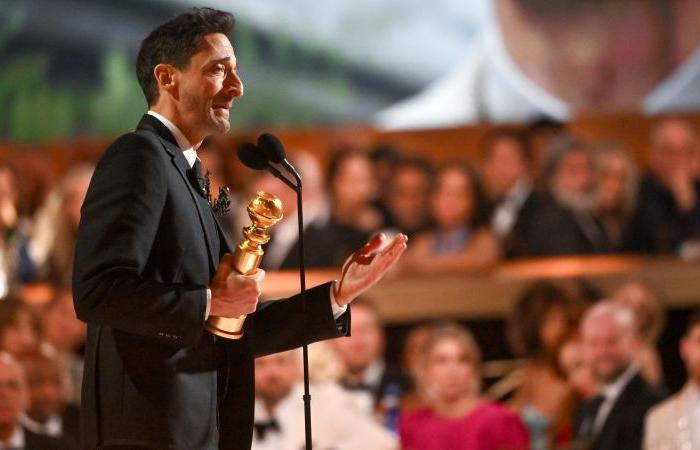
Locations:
(264, 211)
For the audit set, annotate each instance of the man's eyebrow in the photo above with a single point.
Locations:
(220, 60)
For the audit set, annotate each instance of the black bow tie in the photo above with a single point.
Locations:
(262, 428)
(362, 387)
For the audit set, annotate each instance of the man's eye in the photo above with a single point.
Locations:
(219, 69)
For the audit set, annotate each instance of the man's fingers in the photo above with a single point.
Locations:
(374, 244)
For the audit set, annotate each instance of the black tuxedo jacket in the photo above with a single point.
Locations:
(148, 246)
(624, 427)
(34, 441)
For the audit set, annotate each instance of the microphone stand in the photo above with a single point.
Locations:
(302, 282)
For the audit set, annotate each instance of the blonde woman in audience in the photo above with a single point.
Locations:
(617, 181)
(456, 416)
(650, 318)
(461, 239)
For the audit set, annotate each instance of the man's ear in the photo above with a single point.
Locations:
(167, 78)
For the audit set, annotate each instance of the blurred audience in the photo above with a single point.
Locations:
(406, 202)
(649, 318)
(21, 329)
(279, 413)
(14, 399)
(539, 323)
(506, 172)
(564, 222)
(461, 239)
(668, 212)
(369, 378)
(675, 423)
(49, 412)
(614, 418)
(615, 192)
(538, 138)
(456, 416)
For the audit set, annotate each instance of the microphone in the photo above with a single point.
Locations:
(254, 158)
(274, 151)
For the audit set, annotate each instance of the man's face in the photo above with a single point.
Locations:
(408, 197)
(573, 181)
(504, 166)
(366, 343)
(676, 150)
(13, 393)
(275, 376)
(209, 85)
(45, 394)
(608, 346)
(690, 352)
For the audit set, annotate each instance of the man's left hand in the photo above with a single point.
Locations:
(364, 268)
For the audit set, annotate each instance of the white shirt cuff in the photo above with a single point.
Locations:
(206, 313)
(337, 310)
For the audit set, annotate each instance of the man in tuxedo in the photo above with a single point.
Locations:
(147, 268)
(14, 399)
(279, 415)
(614, 418)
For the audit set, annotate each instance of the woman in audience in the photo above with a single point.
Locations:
(541, 319)
(456, 416)
(650, 319)
(461, 239)
(616, 192)
(21, 330)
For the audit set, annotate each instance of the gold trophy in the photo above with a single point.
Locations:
(264, 211)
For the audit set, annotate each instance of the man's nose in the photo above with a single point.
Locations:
(234, 85)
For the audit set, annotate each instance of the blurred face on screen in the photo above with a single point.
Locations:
(581, 51)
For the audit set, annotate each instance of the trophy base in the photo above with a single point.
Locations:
(226, 327)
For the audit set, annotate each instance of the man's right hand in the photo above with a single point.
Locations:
(233, 294)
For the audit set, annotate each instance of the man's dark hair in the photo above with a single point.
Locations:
(174, 43)
(499, 134)
(693, 321)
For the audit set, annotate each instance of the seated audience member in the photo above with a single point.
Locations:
(384, 159)
(368, 376)
(407, 198)
(48, 412)
(456, 416)
(614, 418)
(668, 207)
(615, 192)
(578, 373)
(563, 222)
(461, 239)
(538, 324)
(279, 412)
(650, 319)
(54, 236)
(538, 137)
(21, 329)
(14, 398)
(412, 346)
(17, 265)
(505, 169)
(675, 423)
(65, 335)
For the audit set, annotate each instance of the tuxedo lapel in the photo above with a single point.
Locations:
(150, 123)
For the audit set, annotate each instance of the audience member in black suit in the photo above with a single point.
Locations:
(668, 212)
(613, 419)
(406, 202)
(506, 173)
(366, 371)
(48, 413)
(563, 222)
(13, 400)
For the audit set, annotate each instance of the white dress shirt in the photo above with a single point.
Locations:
(191, 156)
(16, 440)
(52, 427)
(612, 392)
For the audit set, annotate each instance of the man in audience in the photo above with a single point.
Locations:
(614, 418)
(48, 412)
(563, 222)
(505, 170)
(675, 423)
(13, 401)
(367, 375)
(668, 212)
(279, 412)
(406, 205)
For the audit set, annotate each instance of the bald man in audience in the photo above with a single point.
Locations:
(614, 418)
(279, 412)
(675, 423)
(14, 399)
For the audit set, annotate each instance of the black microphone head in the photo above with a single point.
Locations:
(251, 156)
(273, 148)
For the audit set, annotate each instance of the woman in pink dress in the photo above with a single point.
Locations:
(457, 418)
